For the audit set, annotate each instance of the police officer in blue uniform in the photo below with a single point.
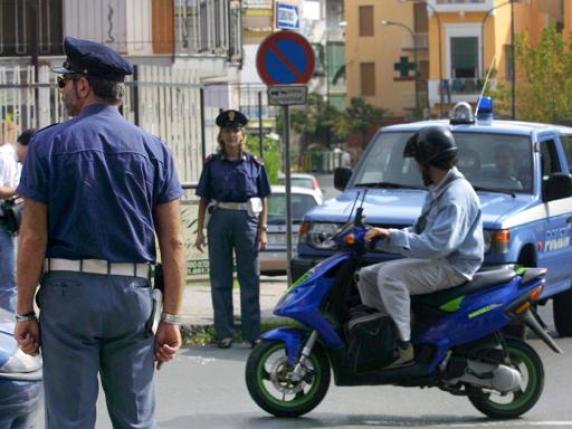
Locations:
(233, 188)
(96, 190)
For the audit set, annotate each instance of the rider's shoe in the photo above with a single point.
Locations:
(405, 356)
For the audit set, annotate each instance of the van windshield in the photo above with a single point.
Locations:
(491, 162)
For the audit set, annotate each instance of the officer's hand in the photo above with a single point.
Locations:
(27, 335)
(376, 233)
(262, 240)
(200, 241)
(167, 343)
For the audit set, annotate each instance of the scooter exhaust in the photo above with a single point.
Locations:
(529, 320)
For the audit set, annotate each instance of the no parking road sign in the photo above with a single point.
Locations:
(285, 58)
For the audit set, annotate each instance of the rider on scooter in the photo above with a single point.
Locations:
(443, 249)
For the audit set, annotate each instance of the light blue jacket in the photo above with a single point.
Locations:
(450, 227)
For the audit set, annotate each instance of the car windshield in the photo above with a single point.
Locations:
(301, 203)
(491, 162)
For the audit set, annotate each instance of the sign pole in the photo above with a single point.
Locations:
(288, 193)
(285, 62)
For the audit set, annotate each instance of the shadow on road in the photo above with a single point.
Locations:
(321, 420)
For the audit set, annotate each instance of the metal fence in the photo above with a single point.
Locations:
(169, 102)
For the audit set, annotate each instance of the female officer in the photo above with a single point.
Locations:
(233, 188)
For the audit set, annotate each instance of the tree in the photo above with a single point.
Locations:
(360, 117)
(544, 95)
(315, 122)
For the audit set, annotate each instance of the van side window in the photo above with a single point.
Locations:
(567, 145)
(550, 162)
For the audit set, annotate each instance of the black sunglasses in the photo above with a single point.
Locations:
(63, 80)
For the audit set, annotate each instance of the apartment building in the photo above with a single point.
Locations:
(453, 43)
(177, 45)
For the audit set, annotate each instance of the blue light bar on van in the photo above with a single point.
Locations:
(485, 109)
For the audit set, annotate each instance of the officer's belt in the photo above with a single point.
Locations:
(232, 206)
(98, 266)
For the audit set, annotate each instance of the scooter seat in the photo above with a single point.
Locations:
(484, 279)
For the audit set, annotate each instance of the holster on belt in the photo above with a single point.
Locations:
(158, 287)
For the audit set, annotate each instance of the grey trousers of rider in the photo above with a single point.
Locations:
(95, 324)
(387, 286)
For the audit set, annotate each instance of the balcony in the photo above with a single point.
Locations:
(444, 6)
(455, 90)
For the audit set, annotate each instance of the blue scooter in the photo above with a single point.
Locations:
(457, 335)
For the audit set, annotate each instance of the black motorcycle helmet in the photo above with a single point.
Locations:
(433, 145)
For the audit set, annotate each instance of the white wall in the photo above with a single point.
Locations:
(125, 25)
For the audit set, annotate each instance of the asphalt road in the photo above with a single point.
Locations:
(204, 388)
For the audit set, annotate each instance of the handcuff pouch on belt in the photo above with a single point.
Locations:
(158, 286)
(11, 214)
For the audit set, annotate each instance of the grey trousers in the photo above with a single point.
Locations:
(387, 286)
(228, 231)
(95, 324)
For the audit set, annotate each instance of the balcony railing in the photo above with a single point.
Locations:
(455, 90)
(461, 5)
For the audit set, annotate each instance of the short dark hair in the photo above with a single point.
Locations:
(108, 90)
(26, 136)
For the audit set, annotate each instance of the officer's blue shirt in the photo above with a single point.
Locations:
(233, 181)
(452, 227)
(101, 178)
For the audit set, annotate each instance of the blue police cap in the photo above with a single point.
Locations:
(93, 59)
(231, 119)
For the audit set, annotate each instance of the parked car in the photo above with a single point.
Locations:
(520, 170)
(304, 180)
(20, 380)
(273, 259)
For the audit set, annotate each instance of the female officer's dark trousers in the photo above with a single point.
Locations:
(228, 230)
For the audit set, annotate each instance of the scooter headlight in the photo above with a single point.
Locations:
(320, 235)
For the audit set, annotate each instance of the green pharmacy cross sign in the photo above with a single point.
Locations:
(403, 66)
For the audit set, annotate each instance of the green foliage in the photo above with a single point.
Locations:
(272, 155)
(315, 122)
(545, 93)
(360, 117)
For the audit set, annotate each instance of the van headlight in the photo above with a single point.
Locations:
(497, 241)
(319, 235)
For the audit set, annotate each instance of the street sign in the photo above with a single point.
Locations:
(287, 95)
(287, 16)
(285, 58)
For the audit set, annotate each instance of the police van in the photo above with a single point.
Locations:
(520, 170)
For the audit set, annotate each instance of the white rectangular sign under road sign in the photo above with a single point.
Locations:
(287, 95)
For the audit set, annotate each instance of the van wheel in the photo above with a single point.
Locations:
(562, 308)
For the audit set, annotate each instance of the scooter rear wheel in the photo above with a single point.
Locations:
(511, 405)
(267, 380)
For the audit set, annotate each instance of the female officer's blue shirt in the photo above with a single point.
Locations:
(101, 178)
(233, 181)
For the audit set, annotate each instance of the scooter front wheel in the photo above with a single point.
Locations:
(269, 381)
(525, 359)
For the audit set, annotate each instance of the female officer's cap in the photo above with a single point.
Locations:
(93, 59)
(231, 119)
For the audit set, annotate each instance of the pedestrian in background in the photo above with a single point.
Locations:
(9, 175)
(22, 144)
(96, 191)
(233, 188)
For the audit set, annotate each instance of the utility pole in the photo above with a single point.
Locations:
(513, 52)
(34, 8)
